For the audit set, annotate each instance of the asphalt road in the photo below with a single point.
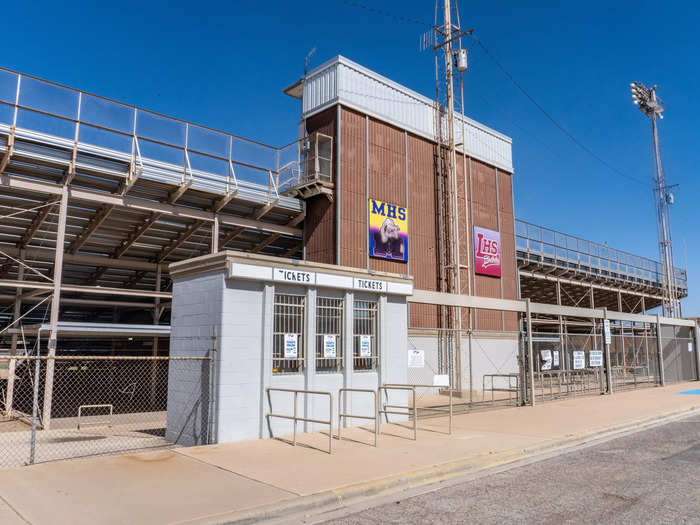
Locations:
(648, 477)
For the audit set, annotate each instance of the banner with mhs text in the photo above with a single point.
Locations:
(487, 252)
(388, 230)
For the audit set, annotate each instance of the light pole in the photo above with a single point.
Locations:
(652, 107)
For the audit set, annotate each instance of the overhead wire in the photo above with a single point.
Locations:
(519, 86)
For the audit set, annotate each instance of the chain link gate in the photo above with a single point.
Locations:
(100, 405)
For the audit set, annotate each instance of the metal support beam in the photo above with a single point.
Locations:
(215, 236)
(530, 358)
(9, 396)
(660, 351)
(93, 224)
(137, 204)
(608, 364)
(55, 305)
(39, 219)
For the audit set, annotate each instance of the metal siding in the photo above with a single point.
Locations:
(421, 220)
(387, 179)
(353, 204)
(319, 223)
(354, 86)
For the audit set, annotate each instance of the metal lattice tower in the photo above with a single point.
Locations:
(652, 107)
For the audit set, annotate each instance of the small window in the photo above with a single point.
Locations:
(329, 334)
(288, 334)
(365, 351)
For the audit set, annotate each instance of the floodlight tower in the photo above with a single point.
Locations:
(652, 107)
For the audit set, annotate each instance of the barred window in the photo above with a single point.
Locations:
(288, 334)
(329, 334)
(365, 351)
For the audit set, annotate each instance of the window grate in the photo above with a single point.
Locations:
(329, 334)
(365, 335)
(288, 334)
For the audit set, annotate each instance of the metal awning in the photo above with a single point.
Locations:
(77, 329)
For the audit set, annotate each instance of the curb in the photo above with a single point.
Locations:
(336, 498)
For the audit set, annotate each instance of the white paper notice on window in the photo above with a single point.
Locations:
(416, 358)
(546, 357)
(365, 346)
(329, 347)
(595, 358)
(291, 346)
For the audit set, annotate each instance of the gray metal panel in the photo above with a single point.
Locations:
(343, 81)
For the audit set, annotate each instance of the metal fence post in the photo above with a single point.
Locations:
(529, 352)
(696, 342)
(606, 342)
(35, 399)
(660, 352)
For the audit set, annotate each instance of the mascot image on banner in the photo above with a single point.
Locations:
(388, 231)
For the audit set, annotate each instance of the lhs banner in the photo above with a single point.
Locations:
(487, 252)
(388, 231)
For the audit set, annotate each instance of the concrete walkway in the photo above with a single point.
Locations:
(267, 478)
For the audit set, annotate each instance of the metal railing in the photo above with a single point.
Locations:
(295, 417)
(544, 245)
(493, 388)
(374, 417)
(71, 119)
(92, 421)
(412, 409)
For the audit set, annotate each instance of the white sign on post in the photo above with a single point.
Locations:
(416, 358)
(329, 348)
(441, 380)
(606, 330)
(690, 347)
(291, 346)
(555, 356)
(365, 346)
(595, 358)
(546, 357)
(579, 359)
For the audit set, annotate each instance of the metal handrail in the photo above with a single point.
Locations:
(296, 418)
(510, 389)
(111, 413)
(413, 410)
(374, 417)
(613, 255)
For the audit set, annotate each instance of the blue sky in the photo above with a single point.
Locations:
(224, 64)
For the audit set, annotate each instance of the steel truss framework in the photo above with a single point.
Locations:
(555, 268)
(127, 191)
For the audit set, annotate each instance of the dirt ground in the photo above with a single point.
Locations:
(12, 425)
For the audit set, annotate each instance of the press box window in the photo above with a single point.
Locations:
(329, 334)
(288, 334)
(365, 351)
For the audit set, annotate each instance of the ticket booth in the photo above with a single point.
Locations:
(272, 322)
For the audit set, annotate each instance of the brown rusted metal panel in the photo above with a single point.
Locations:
(387, 179)
(319, 223)
(353, 206)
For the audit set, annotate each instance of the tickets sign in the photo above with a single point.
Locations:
(487, 252)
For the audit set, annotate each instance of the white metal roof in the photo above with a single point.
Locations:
(342, 81)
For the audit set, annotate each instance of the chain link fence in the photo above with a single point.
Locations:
(100, 405)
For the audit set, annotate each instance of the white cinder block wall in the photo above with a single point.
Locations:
(241, 310)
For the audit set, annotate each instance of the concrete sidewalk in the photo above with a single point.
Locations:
(268, 478)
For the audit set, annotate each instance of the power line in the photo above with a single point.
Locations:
(500, 66)
(385, 13)
(551, 118)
